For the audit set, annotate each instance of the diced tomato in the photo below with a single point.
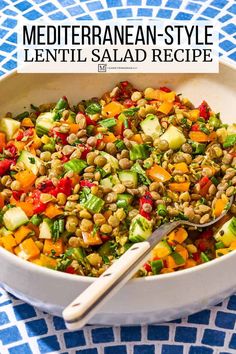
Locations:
(12, 149)
(204, 110)
(165, 89)
(147, 267)
(46, 186)
(196, 256)
(70, 270)
(5, 166)
(39, 207)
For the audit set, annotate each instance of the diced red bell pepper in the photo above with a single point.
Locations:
(145, 214)
(196, 256)
(202, 245)
(207, 234)
(62, 137)
(203, 181)
(204, 110)
(89, 121)
(64, 186)
(146, 199)
(46, 186)
(165, 89)
(5, 166)
(65, 158)
(195, 127)
(39, 207)
(20, 136)
(129, 103)
(85, 183)
(104, 238)
(17, 194)
(85, 152)
(147, 267)
(12, 149)
(29, 132)
(70, 270)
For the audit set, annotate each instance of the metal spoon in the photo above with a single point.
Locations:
(77, 314)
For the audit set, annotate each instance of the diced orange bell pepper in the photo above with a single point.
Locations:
(1, 201)
(109, 138)
(137, 138)
(178, 235)
(27, 122)
(19, 145)
(194, 115)
(190, 263)
(52, 211)
(75, 180)
(233, 245)
(47, 261)
(27, 207)
(26, 179)
(166, 270)
(57, 247)
(36, 141)
(22, 233)
(181, 167)
(91, 239)
(2, 141)
(179, 187)
(8, 242)
(220, 205)
(168, 96)
(118, 129)
(212, 136)
(165, 107)
(222, 251)
(107, 214)
(158, 173)
(27, 249)
(199, 137)
(112, 109)
(74, 128)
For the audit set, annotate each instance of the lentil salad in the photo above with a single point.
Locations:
(80, 184)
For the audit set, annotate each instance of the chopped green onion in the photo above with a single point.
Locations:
(130, 111)
(61, 225)
(93, 108)
(178, 258)
(161, 210)
(126, 123)
(219, 245)
(120, 145)
(204, 257)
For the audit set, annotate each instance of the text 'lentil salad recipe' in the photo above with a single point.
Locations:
(80, 184)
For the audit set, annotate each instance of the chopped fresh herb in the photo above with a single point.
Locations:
(204, 257)
(120, 145)
(108, 123)
(31, 160)
(93, 108)
(141, 174)
(84, 194)
(105, 259)
(130, 111)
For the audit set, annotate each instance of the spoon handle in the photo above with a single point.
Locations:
(77, 314)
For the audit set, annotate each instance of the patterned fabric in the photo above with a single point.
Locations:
(25, 330)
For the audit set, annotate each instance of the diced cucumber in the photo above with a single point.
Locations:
(44, 123)
(111, 159)
(174, 137)
(129, 178)
(75, 165)
(142, 173)
(157, 266)
(140, 229)
(139, 152)
(93, 204)
(227, 233)
(151, 126)
(110, 181)
(14, 218)
(123, 200)
(78, 253)
(106, 249)
(5, 232)
(30, 161)
(45, 229)
(9, 126)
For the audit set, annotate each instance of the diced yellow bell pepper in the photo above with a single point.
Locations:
(8, 242)
(112, 109)
(27, 250)
(165, 107)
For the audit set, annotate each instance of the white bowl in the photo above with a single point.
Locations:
(144, 300)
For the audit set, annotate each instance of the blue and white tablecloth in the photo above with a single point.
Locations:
(24, 329)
